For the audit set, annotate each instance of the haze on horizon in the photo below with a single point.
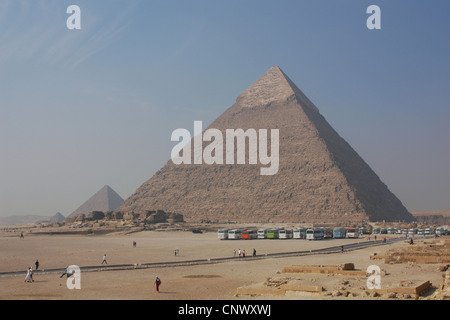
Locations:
(80, 109)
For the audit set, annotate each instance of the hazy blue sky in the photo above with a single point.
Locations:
(83, 108)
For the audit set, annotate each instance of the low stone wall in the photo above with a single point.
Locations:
(347, 269)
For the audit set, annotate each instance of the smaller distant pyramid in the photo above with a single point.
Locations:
(58, 217)
(106, 199)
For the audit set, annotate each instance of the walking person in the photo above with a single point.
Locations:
(36, 264)
(254, 252)
(104, 259)
(29, 276)
(234, 253)
(65, 272)
(157, 283)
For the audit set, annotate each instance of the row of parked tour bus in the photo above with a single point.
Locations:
(411, 232)
(282, 233)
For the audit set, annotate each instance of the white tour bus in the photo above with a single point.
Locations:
(285, 234)
(262, 234)
(299, 233)
(314, 234)
(235, 234)
(222, 234)
(352, 233)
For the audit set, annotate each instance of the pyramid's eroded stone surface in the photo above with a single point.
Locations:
(320, 177)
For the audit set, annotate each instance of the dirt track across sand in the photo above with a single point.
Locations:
(210, 281)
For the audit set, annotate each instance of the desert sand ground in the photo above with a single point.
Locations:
(196, 282)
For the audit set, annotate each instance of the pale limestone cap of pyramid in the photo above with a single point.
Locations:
(274, 85)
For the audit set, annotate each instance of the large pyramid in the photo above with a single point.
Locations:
(320, 177)
(106, 199)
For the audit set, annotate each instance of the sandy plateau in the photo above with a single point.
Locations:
(238, 278)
